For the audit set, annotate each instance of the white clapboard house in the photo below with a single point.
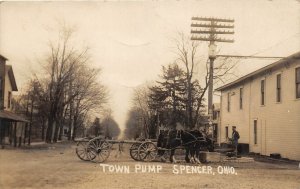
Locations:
(265, 108)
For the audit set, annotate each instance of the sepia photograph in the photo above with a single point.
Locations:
(150, 94)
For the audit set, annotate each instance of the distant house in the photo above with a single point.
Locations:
(12, 126)
(265, 107)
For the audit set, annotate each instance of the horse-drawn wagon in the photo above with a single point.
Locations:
(98, 149)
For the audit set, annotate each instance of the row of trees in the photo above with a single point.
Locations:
(108, 128)
(68, 90)
(65, 92)
(165, 103)
(177, 98)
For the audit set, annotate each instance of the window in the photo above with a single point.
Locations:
(298, 82)
(9, 99)
(278, 88)
(226, 132)
(255, 131)
(228, 102)
(241, 98)
(262, 92)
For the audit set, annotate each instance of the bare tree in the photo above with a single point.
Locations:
(62, 62)
(92, 95)
(187, 54)
(140, 101)
(71, 87)
(224, 70)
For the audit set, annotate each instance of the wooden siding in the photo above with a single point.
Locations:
(2, 76)
(278, 123)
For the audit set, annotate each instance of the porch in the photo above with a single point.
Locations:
(14, 129)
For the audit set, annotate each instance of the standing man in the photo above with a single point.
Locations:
(235, 138)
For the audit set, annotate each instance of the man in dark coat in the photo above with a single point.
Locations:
(235, 138)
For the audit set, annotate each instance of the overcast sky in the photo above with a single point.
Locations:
(131, 40)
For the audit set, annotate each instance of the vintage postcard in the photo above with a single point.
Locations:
(150, 94)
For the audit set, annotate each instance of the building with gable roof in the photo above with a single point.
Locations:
(265, 108)
(12, 126)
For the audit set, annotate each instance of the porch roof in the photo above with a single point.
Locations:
(11, 116)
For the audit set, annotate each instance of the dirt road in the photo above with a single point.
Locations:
(58, 167)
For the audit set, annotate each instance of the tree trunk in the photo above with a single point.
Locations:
(71, 124)
(29, 134)
(58, 125)
(74, 133)
(60, 132)
(25, 133)
(31, 118)
(173, 122)
(43, 129)
(75, 125)
(56, 130)
(190, 109)
(49, 129)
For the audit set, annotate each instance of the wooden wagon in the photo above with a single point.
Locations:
(98, 149)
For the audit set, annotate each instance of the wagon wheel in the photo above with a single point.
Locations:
(99, 150)
(134, 151)
(147, 151)
(81, 150)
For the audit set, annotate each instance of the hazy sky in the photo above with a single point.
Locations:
(131, 40)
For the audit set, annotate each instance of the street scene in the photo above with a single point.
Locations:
(150, 94)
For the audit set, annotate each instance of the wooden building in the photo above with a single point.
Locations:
(265, 108)
(12, 126)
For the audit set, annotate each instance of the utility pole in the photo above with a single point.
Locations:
(210, 29)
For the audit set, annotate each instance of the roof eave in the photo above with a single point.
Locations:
(259, 71)
(12, 79)
(3, 57)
